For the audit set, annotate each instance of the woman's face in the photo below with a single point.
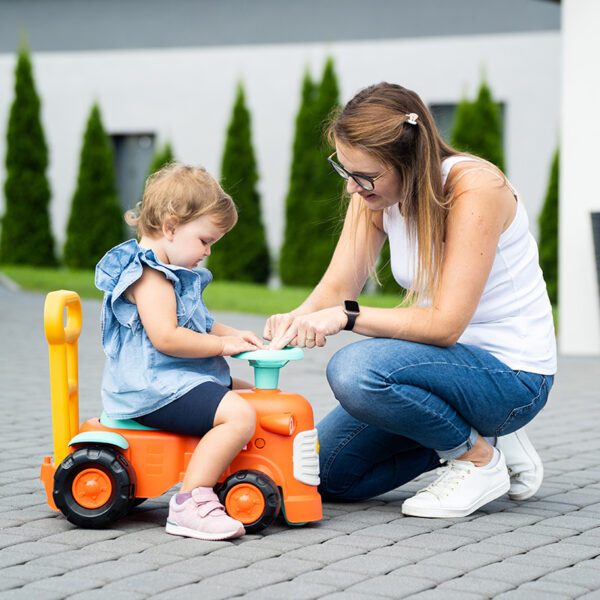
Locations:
(387, 187)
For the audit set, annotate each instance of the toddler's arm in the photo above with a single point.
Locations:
(155, 299)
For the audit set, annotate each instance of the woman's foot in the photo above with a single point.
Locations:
(202, 516)
(524, 464)
(460, 489)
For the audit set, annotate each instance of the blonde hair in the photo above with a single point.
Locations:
(183, 193)
(378, 121)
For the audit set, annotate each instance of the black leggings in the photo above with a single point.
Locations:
(191, 414)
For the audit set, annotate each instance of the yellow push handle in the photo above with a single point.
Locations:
(62, 333)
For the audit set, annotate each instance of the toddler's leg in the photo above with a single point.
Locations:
(196, 510)
(233, 426)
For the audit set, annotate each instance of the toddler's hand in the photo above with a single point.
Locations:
(251, 338)
(233, 344)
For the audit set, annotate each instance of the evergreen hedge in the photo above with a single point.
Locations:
(548, 223)
(477, 127)
(243, 254)
(95, 224)
(26, 236)
(313, 199)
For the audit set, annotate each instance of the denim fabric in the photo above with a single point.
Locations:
(404, 405)
(138, 379)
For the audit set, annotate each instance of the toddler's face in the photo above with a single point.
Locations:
(188, 244)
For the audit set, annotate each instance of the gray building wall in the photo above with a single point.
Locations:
(69, 25)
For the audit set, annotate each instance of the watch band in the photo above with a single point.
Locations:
(352, 310)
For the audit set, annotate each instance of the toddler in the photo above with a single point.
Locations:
(164, 351)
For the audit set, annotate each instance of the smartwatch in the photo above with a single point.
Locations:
(352, 310)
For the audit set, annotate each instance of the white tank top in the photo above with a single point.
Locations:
(513, 320)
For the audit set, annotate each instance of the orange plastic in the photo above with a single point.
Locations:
(245, 503)
(92, 488)
(160, 459)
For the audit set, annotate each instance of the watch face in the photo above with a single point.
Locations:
(351, 306)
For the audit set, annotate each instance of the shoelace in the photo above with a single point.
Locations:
(450, 476)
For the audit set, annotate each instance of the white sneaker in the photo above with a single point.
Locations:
(460, 490)
(524, 465)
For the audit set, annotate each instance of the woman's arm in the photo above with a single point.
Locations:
(155, 299)
(482, 210)
(344, 278)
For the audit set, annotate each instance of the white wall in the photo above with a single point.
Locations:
(186, 95)
(579, 181)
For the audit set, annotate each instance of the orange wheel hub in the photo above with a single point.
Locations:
(92, 488)
(245, 503)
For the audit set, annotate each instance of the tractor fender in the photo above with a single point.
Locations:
(100, 437)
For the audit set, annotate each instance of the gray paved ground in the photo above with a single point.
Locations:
(547, 547)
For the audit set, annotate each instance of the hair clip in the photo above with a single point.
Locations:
(412, 118)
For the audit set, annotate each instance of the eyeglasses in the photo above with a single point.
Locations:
(366, 183)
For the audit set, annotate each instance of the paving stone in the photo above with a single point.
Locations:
(392, 586)
(460, 559)
(436, 573)
(438, 540)
(339, 579)
(392, 531)
(475, 585)
(288, 565)
(506, 571)
(151, 582)
(29, 593)
(325, 553)
(248, 578)
(67, 584)
(584, 577)
(205, 566)
(101, 595)
(446, 595)
(291, 591)
(370, 564)
(364, 542)
(530, 594)
(522, 541)
(571, 590)
(9, 583)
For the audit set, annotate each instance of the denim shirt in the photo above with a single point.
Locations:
(138, 379)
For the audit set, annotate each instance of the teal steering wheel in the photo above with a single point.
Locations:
(267, 363)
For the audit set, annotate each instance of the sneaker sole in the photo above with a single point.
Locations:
(434, 512)
(534, 457)
(174, 529)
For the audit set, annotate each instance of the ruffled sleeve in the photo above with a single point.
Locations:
(119, 269)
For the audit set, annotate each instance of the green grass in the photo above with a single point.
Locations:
(220, 295)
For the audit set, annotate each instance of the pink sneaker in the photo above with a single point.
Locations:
(203, 517)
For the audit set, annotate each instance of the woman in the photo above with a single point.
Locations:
(468, 358)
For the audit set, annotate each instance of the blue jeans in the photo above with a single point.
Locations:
(403, 405)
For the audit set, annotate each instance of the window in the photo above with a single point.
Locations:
(133, 154)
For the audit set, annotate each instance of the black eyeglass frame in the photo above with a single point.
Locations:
(355, 177)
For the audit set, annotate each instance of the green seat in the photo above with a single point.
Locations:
(123, 423)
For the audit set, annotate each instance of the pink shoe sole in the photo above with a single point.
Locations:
(175, 529)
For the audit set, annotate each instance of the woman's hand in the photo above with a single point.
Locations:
(304, 331)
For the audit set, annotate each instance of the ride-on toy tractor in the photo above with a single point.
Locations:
(104, 468)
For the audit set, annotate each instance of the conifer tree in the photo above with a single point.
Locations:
(548, 222)
(162, 156)
(478, 128)
(242, 255)
(297, 211)
(26, 236)
(95, 224)
(312, 205)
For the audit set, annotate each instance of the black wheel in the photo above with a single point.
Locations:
(251, 497)
(94, 486)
